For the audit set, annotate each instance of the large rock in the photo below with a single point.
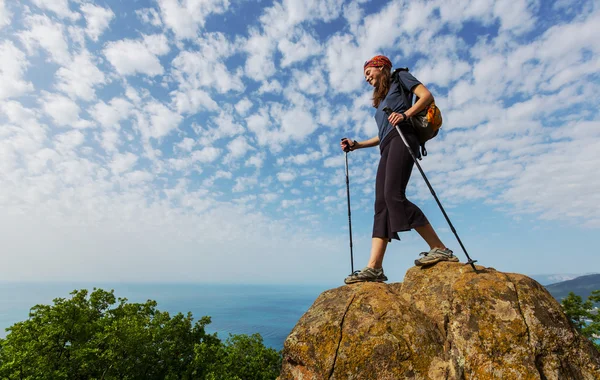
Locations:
(443, 322)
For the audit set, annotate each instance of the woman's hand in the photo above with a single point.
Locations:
(348, 145)
(396, 118)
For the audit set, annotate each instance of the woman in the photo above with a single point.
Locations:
(393, 212)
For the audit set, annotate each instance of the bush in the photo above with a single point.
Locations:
(583, 316)
(100, 337)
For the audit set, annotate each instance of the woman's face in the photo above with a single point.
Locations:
(373, 75)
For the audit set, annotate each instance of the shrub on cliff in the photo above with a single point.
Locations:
(583, 316)
(100, 337)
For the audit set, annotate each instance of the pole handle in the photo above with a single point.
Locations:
(347, 148)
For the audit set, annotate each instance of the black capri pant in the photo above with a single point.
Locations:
(393, 212)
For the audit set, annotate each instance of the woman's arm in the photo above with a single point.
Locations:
(425, 99)
(358, 145)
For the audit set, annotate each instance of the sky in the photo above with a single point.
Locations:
(198, 140)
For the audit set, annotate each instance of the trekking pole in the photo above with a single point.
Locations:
(346, 150)
(388, 112)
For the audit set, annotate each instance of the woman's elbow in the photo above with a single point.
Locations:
(423, 93)
(427, 94)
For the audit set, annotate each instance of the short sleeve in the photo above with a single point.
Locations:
(408, 80)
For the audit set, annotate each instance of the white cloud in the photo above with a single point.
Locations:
(218, 175)
(12, 69)
(341, 57)
(137, 177)
(243, 106)
(296, 123)
(549, 178)
(77, 37)
(16, 113)
(123, 162)
(272, 86)
(222, 174)
(60, 7)
(109, 115)
(192, 101)
(301, 47)
(157, 44)
(206, 154)
(194, 70)
(187, 144)
(149, 16)
(79, 77)
(441, 71)
(23, 136)
(63, 111)
(278, 24)
(259, 65)
(456, 12)
(5, 15)
(238, 148)
(109, 140)
(48, 35)
(334, 162)
(304, 158)
(185, 19)
(310, 82)
(244, 184)
(260, 124)
(66, 143)
(269, 197)
(162, 120)
(215, 46)
(282, 17)
(286, 176)
(97, 19)
(256, 160)
(130, 57)
(516, 15)
(226, 126)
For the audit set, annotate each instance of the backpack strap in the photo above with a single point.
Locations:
(396, 78)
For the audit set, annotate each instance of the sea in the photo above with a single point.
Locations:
(270, 310)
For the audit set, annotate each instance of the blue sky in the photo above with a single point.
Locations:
(198, 141)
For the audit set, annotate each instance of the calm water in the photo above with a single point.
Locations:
(271, 310)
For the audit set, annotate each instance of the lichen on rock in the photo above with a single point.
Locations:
(442, 322)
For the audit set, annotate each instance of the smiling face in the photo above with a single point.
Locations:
(373, 75)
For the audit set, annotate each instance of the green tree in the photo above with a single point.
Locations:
(96, 336)
(583, 316)
(243, 357)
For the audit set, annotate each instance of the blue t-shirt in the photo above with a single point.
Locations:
(398, 99)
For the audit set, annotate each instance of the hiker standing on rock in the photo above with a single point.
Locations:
(393, 212)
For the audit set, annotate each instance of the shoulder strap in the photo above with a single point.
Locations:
(396, 78)
(409, 97)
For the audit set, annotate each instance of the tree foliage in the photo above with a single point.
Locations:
(97, 336)
(583, 316)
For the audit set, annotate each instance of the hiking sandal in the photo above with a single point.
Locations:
(366, 275)
(435, 256)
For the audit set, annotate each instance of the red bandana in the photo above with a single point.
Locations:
(378, 61)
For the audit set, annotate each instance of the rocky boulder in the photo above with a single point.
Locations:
(443, 322)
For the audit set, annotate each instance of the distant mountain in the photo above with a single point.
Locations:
(582, 286)
(547, 279)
